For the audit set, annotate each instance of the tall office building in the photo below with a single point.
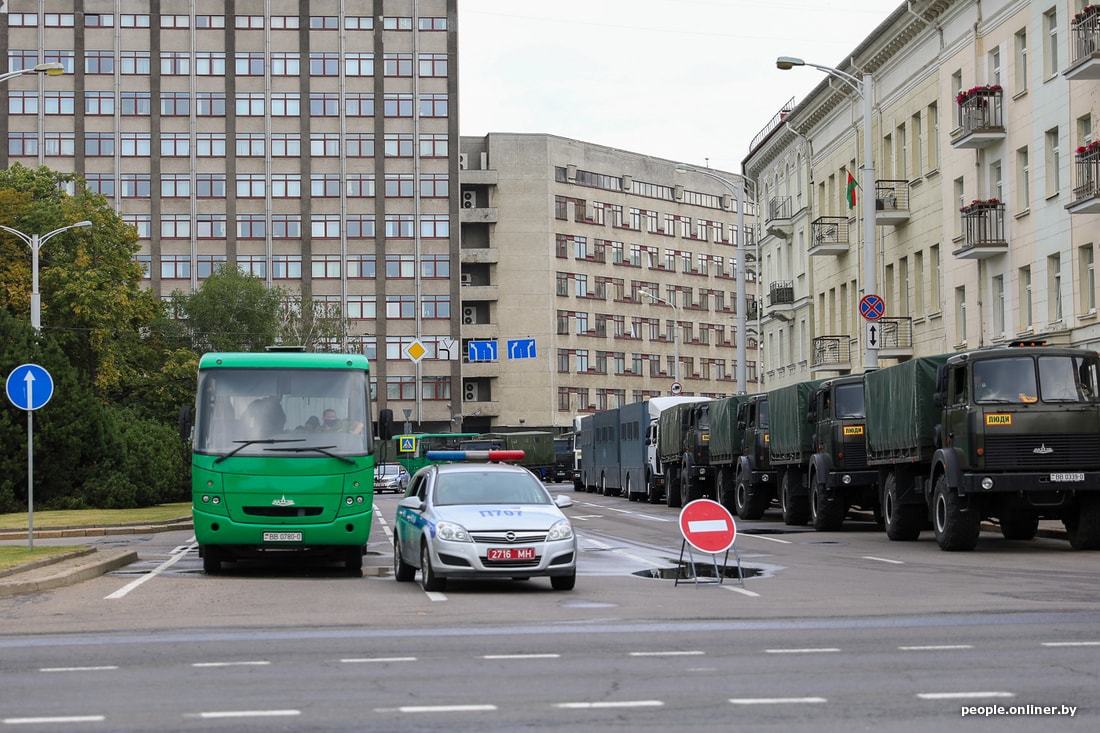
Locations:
(312, 144)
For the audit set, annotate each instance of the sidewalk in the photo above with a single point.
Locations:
(172, 525)
(61, 570)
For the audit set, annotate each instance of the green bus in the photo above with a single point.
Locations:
(282, 457)
(389, 451)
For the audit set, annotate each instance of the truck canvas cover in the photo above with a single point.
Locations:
(670, 438)
(725, 437)
(901, 412)
(792, 436)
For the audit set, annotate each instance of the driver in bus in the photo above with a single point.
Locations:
(330, 423)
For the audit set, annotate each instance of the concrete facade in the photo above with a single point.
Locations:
(558, 239)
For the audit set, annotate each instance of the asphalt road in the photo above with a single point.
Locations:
(835, 631)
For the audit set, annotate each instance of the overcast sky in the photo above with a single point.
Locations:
(679, 79)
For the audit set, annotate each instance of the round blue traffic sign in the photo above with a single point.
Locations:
(872, 307)
(29, 387)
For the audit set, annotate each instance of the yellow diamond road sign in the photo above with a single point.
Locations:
(416, 350)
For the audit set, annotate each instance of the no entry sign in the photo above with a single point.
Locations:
(707, 526)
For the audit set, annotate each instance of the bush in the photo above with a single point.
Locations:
(142, 465)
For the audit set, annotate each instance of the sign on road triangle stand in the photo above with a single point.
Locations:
(29, 387)
(708, 527)
(872, 334)
(406, 444)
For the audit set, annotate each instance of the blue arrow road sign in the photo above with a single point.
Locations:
(521, 349)
(481, 350)
(29, 387)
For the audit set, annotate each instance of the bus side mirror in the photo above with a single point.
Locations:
(186, 423)
(385, 424)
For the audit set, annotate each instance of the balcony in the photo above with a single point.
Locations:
(778, 223)
(981, 117)
(1084, 45)
(478, 215)
(891, 202)
(1086, 177)
(829, 236)
(480, 408)
(983, 231)
(471, 293)
(831, 354)
(479, 255)
(895, 337)
(780, 298)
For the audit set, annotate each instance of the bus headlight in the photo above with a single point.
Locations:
(350, 500)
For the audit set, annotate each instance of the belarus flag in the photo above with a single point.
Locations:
(852, 185)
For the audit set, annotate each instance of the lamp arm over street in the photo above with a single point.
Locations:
(35, 242)
(675, 331)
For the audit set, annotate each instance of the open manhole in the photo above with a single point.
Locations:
(702, 570)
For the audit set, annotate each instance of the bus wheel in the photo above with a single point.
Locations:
(211, 560)
(353, 561)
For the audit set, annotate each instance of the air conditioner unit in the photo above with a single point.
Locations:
(627, 183)
(467, 279)
(469, 199)
(469, 392)
(571, 173)
(678, 193)
(463, 161)
(469, 315)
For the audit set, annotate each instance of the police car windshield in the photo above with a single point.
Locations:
(488, 487)
(849, 401)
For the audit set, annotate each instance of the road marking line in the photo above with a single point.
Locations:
(775, 700)
(1071, 643)
(935, 647)
(693, 653)
(247, 714)
(586, 517)
(742, 591)
(521, 656)
(435, 597)
(121, 592)
(769, 539)
(802, 651)
(368, 660)
(960, 695)
(443, 708)
(620, 511)
(385, 527)
(610, 704)
(104, 668)
(58, 719)
(883, 559)
(650, 516)
(258, 663)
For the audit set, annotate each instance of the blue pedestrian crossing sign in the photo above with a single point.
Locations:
(29, 387)
(406, 444)
(521, 349)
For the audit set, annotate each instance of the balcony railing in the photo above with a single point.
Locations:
(781, 293)
(891, 202)
(895, 335)
(1086, 189)
(981, 117)
(983, 230)
(829, 235)
(832, 352)
(1084, 45)
(779, 208)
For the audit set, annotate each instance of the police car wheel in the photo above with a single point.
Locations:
(402, 571)
(429, 581)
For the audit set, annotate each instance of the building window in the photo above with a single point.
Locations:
(135, 144)
(434, 185)
(251, 185)
(1019, 72)
(209, 104)
(917, 156)
(324, 145)
(361, 267)
(936, 275)
(58, 103)
(1050, 30)
(251, 226)
(1054, 288)
(358, 64)
(175, 144)
(433, 24)
(250, 145)
(135, 104)
(393, 23)
(933, 123)
(283, 63)
(324, 23)
(23, 20)
(175, 63)
(286, 267)
(998, 306)
(361, 307)
(210, 185)
(398, 105)
(250, 104)
(433, 146)
(359, 227)
(398, 145)
(359, 144)
(435, 306)
(249, 63)
(960, 313)
(133, 20)
(324, 185)
(358, 23)
(210, 144)
(175, 185)
(254, 265)
(326, 267)
(1023, 187)
(959, 201)
(175, 104)
(210, 226)
(285, 145)
(1053, 163)
(401, 306)
(64, 20)
(433, 105)
(286, 104)
(206, 265)
(433, 64)
(435, 226)
(435, 267)
(175, 226)
(399, 226)
(286, 185)
(101, 183)
(358, 104)
(360, 185)
(19, 60)
(1027, 316)
(142, 223)
(996, 185)
(286, 226)
(324, 63)
(98, 144)
(1088, 279)
(324, 104)
(400, 267)
(209, 63)
(205, 22)
(175, 267)
(399, 185)
(99, 62)
(285, 22)
(325, 226)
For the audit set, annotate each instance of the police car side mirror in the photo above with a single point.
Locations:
(411, 502)
(561, 501)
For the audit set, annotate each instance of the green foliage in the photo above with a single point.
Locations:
(143, 464)
(231, 311)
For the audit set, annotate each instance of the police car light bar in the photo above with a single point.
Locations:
(475, 455)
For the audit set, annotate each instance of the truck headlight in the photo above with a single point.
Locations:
(452, 532)
(987, 483)
(847, 479)
(560, 531)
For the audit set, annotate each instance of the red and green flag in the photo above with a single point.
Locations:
(852, 186)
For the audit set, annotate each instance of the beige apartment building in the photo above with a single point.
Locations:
(561, 242)
(312, 144)
(986, 214)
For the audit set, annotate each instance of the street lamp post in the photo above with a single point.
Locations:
(35, 242)
(52, 68)
(742, 301)
(675, 332)
(865, 89)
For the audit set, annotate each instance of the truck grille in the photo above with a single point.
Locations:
(1066, 452)
(855, 456)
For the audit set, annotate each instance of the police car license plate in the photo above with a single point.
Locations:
(1066, 477)
(282, 536)
(506, 554)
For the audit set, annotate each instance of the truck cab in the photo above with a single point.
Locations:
(756, 479)
(839, 475)
(696, 473)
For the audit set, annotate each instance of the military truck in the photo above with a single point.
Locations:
(754, 477)
(564, 461)
(683, 442)
(537, 447)
(791, 448)
(727, 447)
(1010, 433)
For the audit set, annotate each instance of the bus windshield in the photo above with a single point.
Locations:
(294, 412)
(849, 401)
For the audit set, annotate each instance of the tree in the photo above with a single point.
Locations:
(231, 311)
(312, 324)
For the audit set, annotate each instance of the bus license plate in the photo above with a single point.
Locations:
(1065, 477)
(506, 554)
(282, 536)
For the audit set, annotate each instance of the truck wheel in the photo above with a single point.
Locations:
(750, 502)
(796, 509)
(826, 516)
(1019, 522)
(1084, 529)
(726, 490)
(653, 492)
(602, 491)
(672, 486)
(955, 528)
(903, 522)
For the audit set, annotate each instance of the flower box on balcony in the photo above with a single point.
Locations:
(1086, 152)
(978, 205)
(980, 92)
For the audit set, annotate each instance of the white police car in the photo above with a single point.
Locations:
(482, 520)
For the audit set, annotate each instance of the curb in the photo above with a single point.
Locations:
(1050, 534)
(53, 534)
(102, 562)
(43, 562)
(377, 571)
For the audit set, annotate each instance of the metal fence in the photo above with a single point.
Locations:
(829, 230)
(831, 350)
(781, 293)
(891, 195)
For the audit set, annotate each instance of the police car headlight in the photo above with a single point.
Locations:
(452, 532)
(560, 531)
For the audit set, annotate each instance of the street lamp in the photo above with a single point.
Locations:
(865, 89)
(742, 303)
(52, 68)
(675, 331)
(35, 242)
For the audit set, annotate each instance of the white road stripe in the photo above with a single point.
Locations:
(121, 592)
(610, 704)
(385, 526)
(883, 559)
(380, 660)
(620, 511)
(650, 516)
(742, 591)
(1071, 643)
(258, 663)
(693, 653)
(802, 651)
(444, 708)
(57, 719)
(709, 525)
(775, 700)
(522, 656)
(769, 539)
(247, 714)
(435, 597)
(961, 695)
(103, 668)
(935, 647)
